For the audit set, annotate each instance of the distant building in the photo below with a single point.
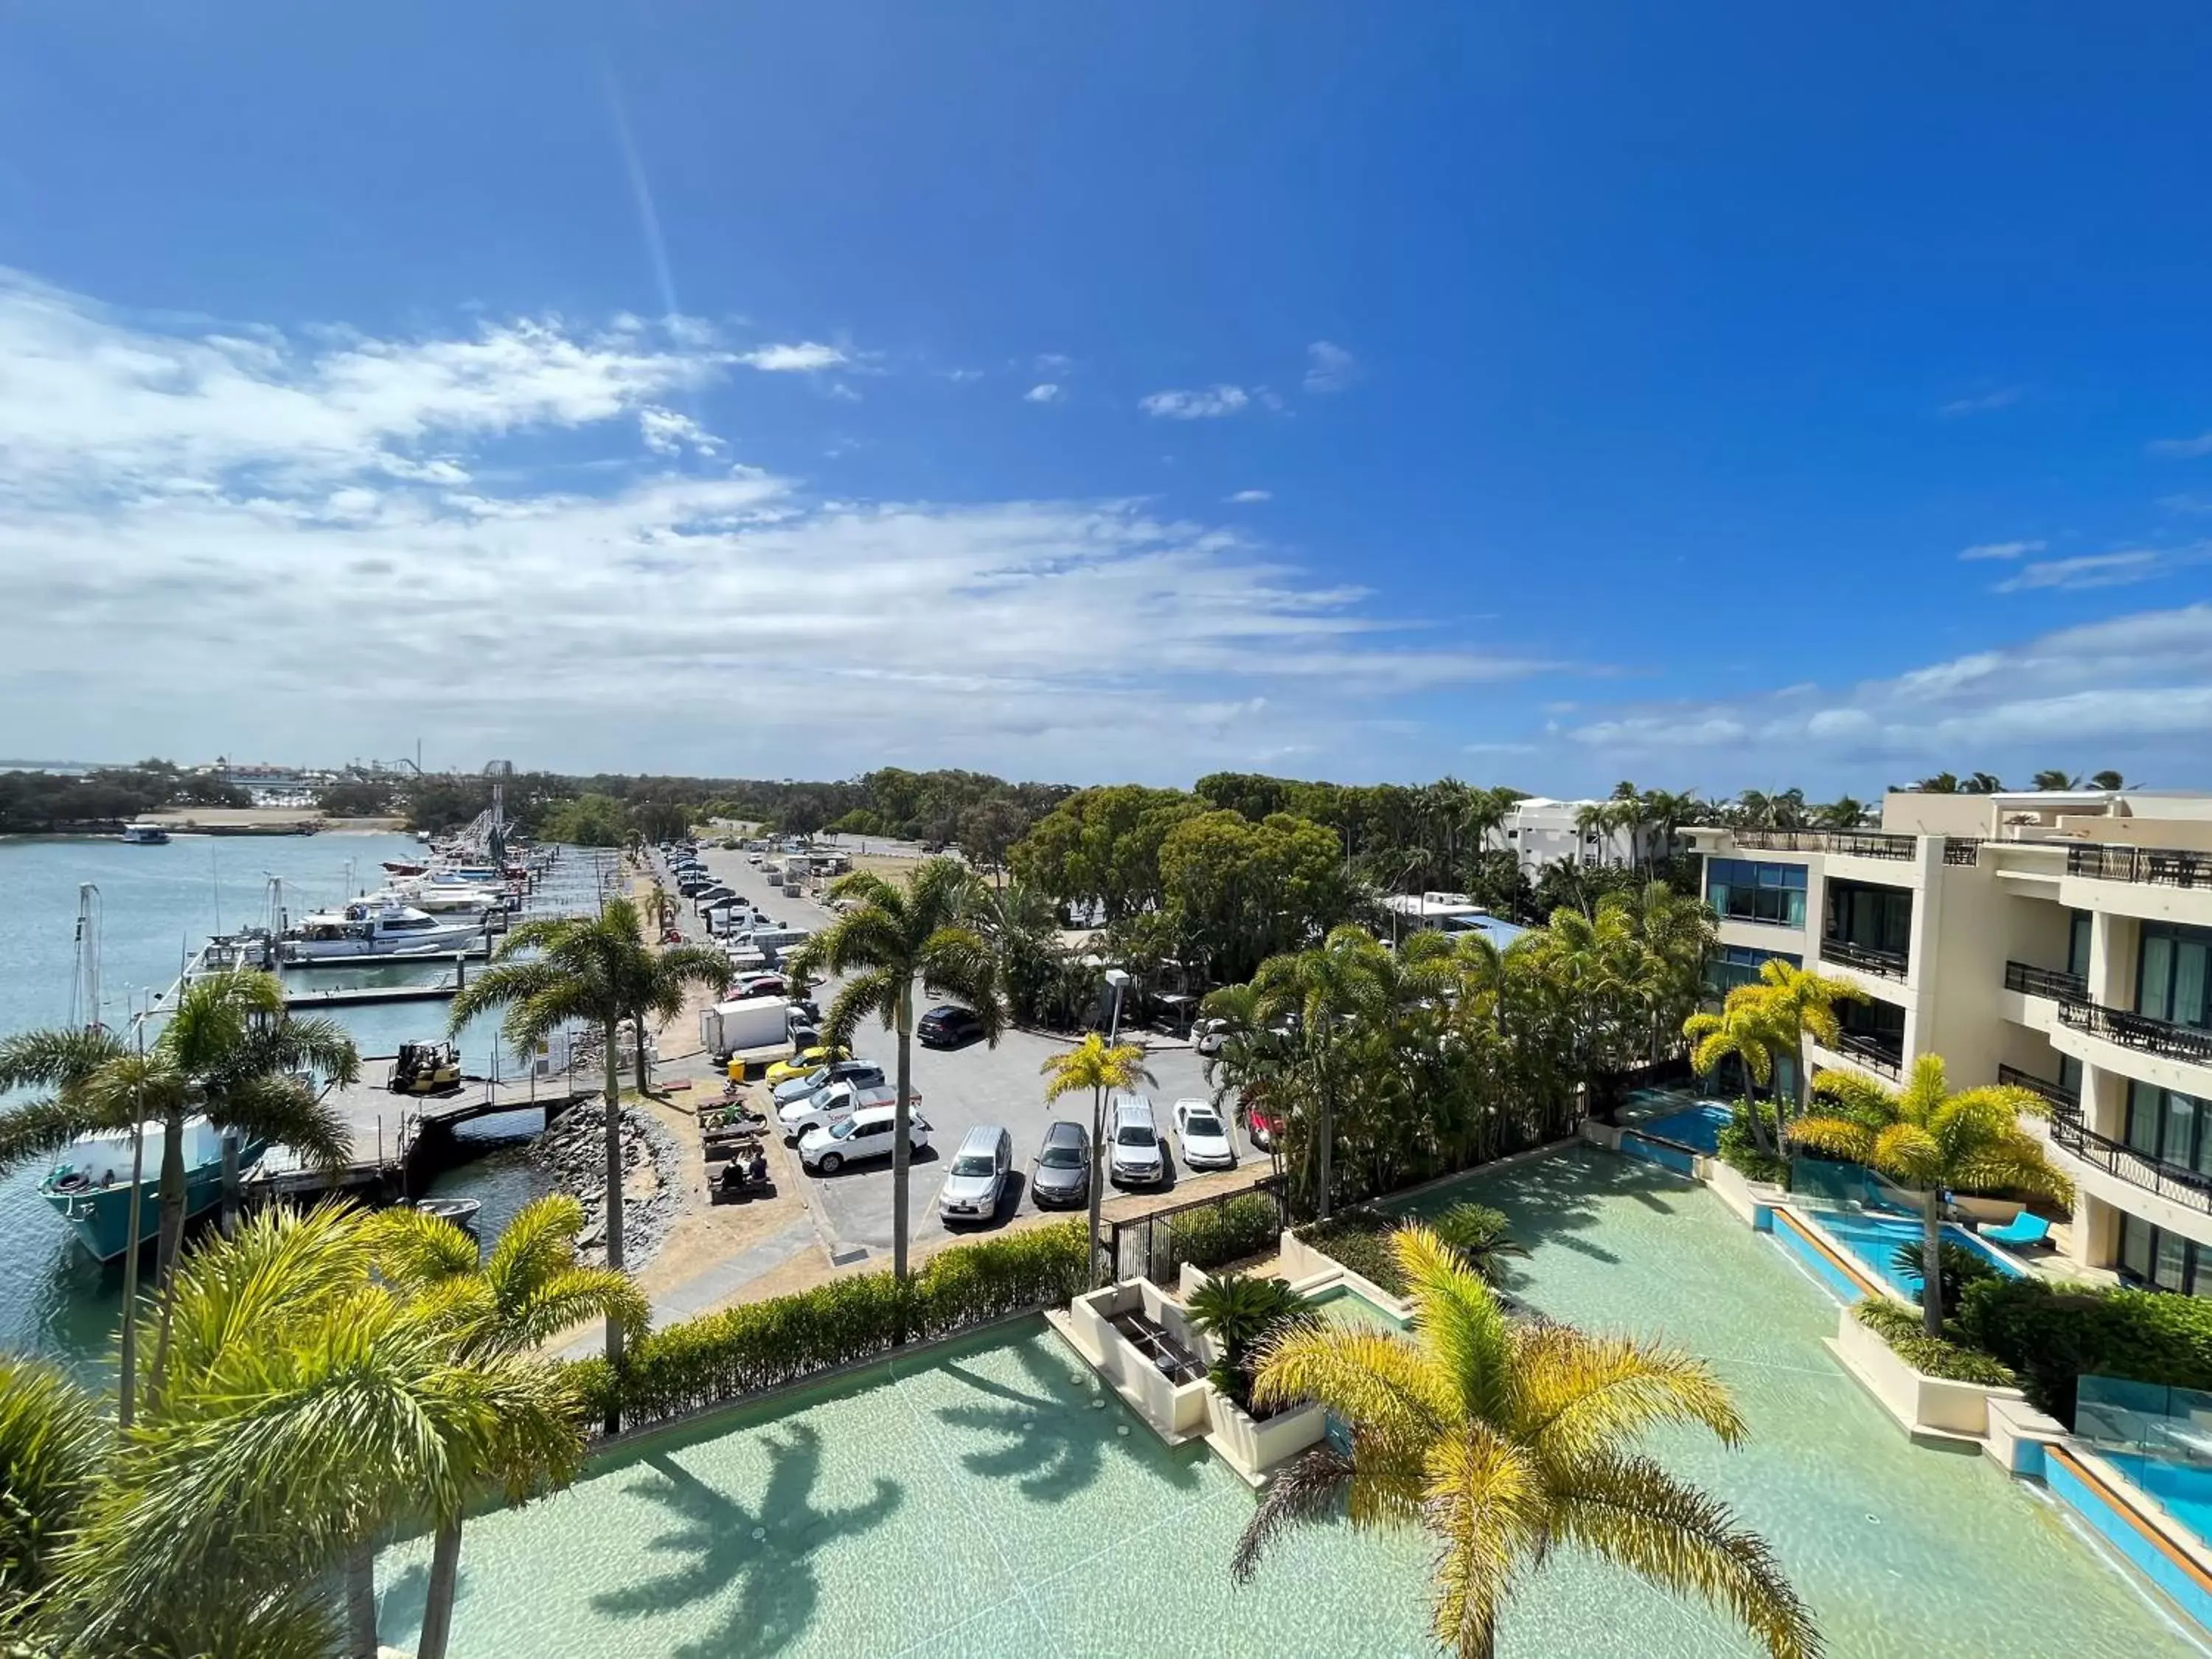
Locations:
(2060, 940)
(1449, 913)
(1540, 832)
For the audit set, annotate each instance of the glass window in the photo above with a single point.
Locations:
(2170, 1270)
(2155, 978)
(1744, 890)
(2142, 1119)
(2077, 946)
(2178, 1143)
(2189, 982)
(2136, 1240)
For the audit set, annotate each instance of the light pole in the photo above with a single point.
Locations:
(1118, 979)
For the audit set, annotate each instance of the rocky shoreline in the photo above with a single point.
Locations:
(573, 1153)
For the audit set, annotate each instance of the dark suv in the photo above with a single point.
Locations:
(948, 1025)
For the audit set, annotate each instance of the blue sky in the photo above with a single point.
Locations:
(1713, 396)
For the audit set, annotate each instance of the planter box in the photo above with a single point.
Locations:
(1251, 1448)
(1175, 1411)
(1930, 1406)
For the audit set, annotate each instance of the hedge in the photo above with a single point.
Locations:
(2054, 1336)
(759, 1345)
(1248, 1224)
(1360, 1240)
(1932, 1356)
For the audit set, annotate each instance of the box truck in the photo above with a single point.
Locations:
(748, 1023)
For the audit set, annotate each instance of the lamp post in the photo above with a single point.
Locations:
(1118, 979)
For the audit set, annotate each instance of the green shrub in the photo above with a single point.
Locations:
(1248, 1224)
(1479, 1235)
(1740, 1152)
(2052, 1336)
(1962, 1266)
(1359, 1240)
(1933, 1356)
(758, 1346)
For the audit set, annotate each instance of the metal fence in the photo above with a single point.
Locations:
(2057, 1093)
(2030, 980)
(1864, 844)
(1884, 1057)
(1867, 958)
(1962, 849)
(2175, 1182)
(2169, 866)
(2156, 1036)
(1208, 1232)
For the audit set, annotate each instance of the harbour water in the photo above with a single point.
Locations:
(159, 903)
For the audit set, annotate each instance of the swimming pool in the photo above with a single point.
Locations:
(985, 1497)
(1698, 1126)
(1873, 1240)
(2183, 1491)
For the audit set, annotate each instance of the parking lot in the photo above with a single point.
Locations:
(960, 1088)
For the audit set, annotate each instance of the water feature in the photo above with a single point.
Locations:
(987, 1498)
(158, 904)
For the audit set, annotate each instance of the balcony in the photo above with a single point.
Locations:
(2137, 1031)
(1880, 1054)
(1962, 849)
(1867, 958)
(1855, 843)
(2176, 1182)
(2061, 1099)
(2045, 982)
(2167, 866)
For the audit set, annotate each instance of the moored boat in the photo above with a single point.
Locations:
(144, 834)
(365, 929)
(90, 1183)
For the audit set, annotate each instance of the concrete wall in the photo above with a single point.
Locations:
(1907, 812)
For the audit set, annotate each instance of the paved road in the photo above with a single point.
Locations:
(960, 1088)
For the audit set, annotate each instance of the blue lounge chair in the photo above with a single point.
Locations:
(2024, 1231)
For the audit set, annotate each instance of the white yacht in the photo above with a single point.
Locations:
(442, 899)
(144, 834)
(378, 928)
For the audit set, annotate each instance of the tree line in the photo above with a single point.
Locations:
(42, 803)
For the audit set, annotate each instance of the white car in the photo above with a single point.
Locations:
(1203, 1136)
(1209, 1036)
(832, 1103)
(867, 1134)
(1137, 1158)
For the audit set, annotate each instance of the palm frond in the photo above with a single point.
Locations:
(56, 1058)
(1584, 1394)
(1306, 1489)
(287, 1112)
(1379, 1381)
(1485, 1503)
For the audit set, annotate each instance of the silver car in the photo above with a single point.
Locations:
(1138, 1157)
(977, 1180)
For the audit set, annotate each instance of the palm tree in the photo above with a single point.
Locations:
(308, 1407)
(894, 935)
(530, 1289)
(51, 1445)
(2055, 780)
(1505, 1441)
(1927, 1137)
(1942, 783)
(1090, 1064)
(590, 971)
(2106, 780)
(1798, 1004)
(228, 1050)
(1744, 1031)
(1842, 813)
(1327, 988)
(664, 981)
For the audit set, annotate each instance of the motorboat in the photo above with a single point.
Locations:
(442, 899)
(90, 1183)
(461, 1212)
(401, 868)
(365, 928)
(144, 834)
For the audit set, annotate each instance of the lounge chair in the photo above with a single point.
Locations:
(2024, 1231)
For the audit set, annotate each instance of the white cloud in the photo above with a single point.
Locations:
(2090, 570)
(2135, 691)
(1986, 403)
(1052, 363)
(1247, 497)
(1999, 550)
(1044, 393)
(1201, 405)
(1329, 367)
(801, 359)
(251, 503)
(667, 432)
(2199, 445)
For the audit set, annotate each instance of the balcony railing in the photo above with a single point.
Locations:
(1884, 1055)
(1867, 958)
(1962, 849)
(2169, 866)
(2177, 1181)
(2062, 1097)
(2045, 982)
(2141, 1031)
(1856, 843)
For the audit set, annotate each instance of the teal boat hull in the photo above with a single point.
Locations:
(100, 1219)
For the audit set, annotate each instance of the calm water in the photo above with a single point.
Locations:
(158, 903)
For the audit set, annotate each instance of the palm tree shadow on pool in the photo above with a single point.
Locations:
(1051, 1439)
(780, 1587)
(1553, 1200)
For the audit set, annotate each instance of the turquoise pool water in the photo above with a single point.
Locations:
(2183, 1490)
(975, 1500)
(1698, 1126)
(1872, 1241)
(1341, 1305)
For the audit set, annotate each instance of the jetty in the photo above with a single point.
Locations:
(362, 996)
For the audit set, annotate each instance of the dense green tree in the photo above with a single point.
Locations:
(1098, 850)
(590, 820)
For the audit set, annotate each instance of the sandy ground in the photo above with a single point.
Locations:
(273, 818)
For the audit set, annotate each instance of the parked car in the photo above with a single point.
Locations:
(1203, 1138)
(757, 985)
(866, 1073)
(867, 1134)
(948, 1025)
(1060, 1173)
(977, 1180)
(805, 1060)
(1208, 1035)
(833, 1102)
(1139, 1158)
